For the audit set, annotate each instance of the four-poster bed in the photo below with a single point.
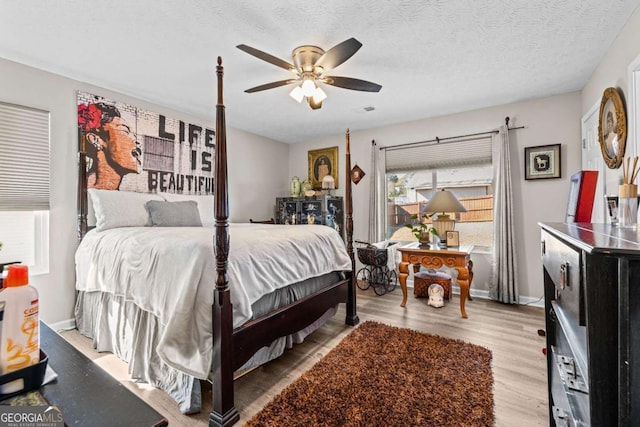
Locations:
(235, 345)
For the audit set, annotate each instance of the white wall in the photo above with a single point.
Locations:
(612, 72)
(253, 181)
(552, 120)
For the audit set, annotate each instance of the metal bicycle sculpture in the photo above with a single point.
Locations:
(375, 272)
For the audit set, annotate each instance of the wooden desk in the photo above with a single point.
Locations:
(86, 394)
(458, 257)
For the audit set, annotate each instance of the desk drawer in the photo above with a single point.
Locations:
(570, 403)
(563, 264)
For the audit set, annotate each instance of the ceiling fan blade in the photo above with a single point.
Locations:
(266, 57)
(353, 84)
(314, 105)
(271, 85)
(338, 54)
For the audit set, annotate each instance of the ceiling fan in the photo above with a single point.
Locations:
(309, 65)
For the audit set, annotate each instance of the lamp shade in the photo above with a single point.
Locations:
(308, 87)
(444, 201)
(328, 183)
(319, 95)
(297, 94)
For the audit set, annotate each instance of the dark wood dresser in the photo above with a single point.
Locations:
(592, 303)
(86, 394)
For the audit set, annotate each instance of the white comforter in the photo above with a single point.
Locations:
(171, 272)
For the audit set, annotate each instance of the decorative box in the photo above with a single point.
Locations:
(423, 279)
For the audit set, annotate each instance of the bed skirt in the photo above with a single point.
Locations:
(132, 334)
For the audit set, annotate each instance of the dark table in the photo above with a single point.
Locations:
(86, 394)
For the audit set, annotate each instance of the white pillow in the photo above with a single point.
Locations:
(115, 208)
(381, 245)
(205, 205)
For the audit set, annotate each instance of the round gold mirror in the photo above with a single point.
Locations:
(612, 128)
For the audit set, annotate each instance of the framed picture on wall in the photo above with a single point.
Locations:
(612, 128)
(357, 174)
(323, 162)
(542, 162)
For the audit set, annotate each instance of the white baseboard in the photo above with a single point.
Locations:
(65, 325)
(484, 294)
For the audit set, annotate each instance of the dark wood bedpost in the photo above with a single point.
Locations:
(352, 314)
(82, 187)
(223, 413)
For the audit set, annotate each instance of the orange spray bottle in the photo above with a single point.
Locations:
(20, 334)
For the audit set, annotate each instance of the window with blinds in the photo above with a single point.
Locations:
(449, 154)
(24, 158)
(462, 166)
(24, 186)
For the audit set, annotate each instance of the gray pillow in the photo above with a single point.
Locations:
(173, 214)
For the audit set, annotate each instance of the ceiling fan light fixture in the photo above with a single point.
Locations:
(297, 94)
(319, 95)
(308, 86)
(309, 65)
(315, 105)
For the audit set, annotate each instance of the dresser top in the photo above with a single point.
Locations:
(597, 238)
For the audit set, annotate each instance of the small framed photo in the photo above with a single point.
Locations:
(542, 162)
(357, 174)
(612, 208)
(453, 238)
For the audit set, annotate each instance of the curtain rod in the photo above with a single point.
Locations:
(439, 140)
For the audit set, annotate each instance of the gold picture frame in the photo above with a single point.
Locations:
(612, 128)
(323, 162)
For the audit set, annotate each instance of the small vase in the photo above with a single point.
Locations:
(295, 186)
(305, 187)
(627, 206)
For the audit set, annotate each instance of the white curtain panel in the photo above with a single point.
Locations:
(377, 197)
(504, 283)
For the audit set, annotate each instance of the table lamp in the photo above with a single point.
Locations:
(444, 202)
(328, 184)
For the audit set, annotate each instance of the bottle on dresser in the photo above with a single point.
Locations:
(19, 333)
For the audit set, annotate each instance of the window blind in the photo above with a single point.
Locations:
(24, 158)
(439, 155)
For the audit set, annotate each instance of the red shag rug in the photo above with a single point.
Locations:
(380, 375)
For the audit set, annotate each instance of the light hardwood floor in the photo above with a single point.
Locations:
(510, 332)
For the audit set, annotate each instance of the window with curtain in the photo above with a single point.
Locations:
(24, 186)
(462, 166)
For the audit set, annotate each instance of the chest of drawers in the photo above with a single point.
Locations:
(592, 304)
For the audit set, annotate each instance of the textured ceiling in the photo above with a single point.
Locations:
(431, 57)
